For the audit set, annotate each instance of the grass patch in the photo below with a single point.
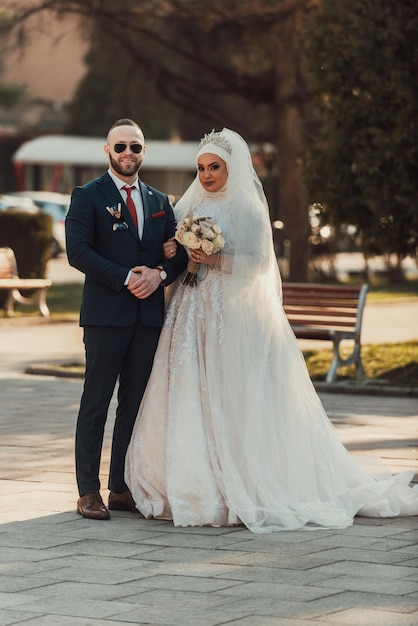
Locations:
(64, 299)
(393, 363)
(389, 293)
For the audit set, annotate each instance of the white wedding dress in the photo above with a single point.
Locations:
(231, 429)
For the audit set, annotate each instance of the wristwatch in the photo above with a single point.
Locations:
(163, 274)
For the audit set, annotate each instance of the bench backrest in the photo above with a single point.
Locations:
(8, 265)
(324, 306)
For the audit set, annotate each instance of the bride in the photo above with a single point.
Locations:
(230, 429)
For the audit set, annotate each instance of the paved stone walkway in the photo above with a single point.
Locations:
(58, 569)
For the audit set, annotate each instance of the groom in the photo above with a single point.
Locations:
(115, 230)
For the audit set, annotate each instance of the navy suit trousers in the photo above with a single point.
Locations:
(125, 353)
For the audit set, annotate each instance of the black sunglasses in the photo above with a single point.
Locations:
(134, 147)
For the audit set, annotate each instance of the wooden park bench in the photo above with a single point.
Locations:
(328, 312)
(12, 284)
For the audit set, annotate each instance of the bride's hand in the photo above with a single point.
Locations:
(201, 257)
(170, 248)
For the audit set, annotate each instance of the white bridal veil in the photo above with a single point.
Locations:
(278, 459)
(231, 428)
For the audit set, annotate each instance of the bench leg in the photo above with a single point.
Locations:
(331, 376)
(339, 361)
(9, 304)
(38, 299)
(42, 305)
(359, 366)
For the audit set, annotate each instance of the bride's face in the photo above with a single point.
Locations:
(212, 171)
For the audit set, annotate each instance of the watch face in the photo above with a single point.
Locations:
(163, 274)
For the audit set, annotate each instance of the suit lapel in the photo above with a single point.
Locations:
(109, 190)
(148, 204)
(147, 200)
(112, 198)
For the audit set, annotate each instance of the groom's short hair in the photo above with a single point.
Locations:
(124, 121)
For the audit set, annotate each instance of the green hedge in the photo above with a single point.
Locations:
(30, 237)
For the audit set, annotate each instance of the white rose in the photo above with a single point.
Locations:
(191, 241)
(216, 229)
(218, 242)
(181, 229)
(207, 246)
(208, 233)
(195, 229)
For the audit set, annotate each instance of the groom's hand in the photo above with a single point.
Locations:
(143, 281)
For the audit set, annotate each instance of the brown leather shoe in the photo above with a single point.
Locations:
(92, 506)
(122, 501)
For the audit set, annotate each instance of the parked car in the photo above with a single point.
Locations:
(56, 205)
(10, 202)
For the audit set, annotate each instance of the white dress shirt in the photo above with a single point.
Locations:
(136, 197)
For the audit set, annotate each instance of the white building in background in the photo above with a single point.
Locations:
(59, 162)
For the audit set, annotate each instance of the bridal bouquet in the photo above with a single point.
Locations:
(199, 232)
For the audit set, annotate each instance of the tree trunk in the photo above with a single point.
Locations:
(396, 275)
(293, 204)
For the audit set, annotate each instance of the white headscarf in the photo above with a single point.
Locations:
(242, 178)
(222, 148)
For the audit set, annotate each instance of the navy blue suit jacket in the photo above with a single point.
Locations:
(105, 248)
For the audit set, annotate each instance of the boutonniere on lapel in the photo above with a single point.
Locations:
(116, 211)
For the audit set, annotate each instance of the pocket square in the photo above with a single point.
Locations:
(120, 226)
(158, 214)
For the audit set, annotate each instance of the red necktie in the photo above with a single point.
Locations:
(131, 205)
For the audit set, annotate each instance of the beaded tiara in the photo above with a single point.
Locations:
(217, 139)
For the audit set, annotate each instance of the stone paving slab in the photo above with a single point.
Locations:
(59, 569)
